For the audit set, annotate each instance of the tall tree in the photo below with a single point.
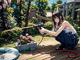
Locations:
(59, 5)
(42, 4)
(59, 2)
(53, 7)
(24, 10)
(15, 5)
(27, 13)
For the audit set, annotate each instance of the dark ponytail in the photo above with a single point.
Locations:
(58, 15)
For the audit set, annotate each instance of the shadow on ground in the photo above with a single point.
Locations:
(49, 53)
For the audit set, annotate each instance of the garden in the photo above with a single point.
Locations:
(19, 17)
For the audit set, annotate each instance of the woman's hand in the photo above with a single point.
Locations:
(48, 32)
(42, 30)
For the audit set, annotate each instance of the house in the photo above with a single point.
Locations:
(68, 1)
(71, 8)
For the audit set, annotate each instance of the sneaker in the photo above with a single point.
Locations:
(60, 47)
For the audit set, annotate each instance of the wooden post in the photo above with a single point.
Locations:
(67, 9)
(73, 11)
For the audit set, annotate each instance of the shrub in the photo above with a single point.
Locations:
(10, 35)
(48, 25)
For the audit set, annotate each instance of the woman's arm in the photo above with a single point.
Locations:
(52, 33)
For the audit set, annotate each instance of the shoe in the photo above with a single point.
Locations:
(60, 47)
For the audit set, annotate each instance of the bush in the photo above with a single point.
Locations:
(48, 25)
(10, 35)
(32, 31)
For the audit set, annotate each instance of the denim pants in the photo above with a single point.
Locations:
(67, 39)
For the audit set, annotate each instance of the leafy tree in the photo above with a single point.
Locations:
(59, 5)
(59, 2)
(42, 5)
(16, 13)
(27, 12)
(53, 7)
(10, 17)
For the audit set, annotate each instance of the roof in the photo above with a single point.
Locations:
(68, 1)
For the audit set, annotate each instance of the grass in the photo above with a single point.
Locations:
(36, 38)
(11, 44)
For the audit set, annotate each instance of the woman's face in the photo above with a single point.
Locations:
(56, 20)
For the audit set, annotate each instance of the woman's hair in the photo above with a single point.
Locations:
(57, 15)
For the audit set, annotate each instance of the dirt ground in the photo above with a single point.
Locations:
(46, 51)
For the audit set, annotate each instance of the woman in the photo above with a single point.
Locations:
(64, 32)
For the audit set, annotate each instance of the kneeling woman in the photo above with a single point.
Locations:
(64, 32)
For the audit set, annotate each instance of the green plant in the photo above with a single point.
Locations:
(42, 5)
(12, 21)
(10, 17)
(9, 10)
(48, 25)
(11, 35)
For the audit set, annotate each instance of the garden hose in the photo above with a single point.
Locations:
(71, 53)
(41, 39)
(38, 26)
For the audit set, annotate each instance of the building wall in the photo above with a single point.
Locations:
(73, 1)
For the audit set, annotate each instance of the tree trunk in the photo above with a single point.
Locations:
(27, 14)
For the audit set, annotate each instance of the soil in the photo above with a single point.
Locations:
(46, 51)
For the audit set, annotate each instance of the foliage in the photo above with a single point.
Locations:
(12, 21)
(23, 8)
(53, 7)
(48, 25)
(59, 2)
(17, 13)
(10, 10)
(34, 7)
(56, 6)
(34, 20)
(42, 5)
(10, 35)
